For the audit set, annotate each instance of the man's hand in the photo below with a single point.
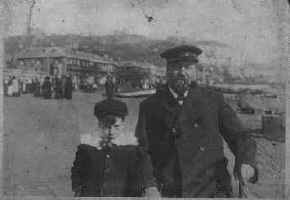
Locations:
(152, 192)
(77, 191)
(247, 172)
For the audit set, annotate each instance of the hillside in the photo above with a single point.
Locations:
(121, 46)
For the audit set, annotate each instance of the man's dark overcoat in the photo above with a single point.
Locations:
(36, 91)
(58, 88)
(119, 171)
(68, 88)
(185, 142)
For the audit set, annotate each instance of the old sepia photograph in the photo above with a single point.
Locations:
(144, 98)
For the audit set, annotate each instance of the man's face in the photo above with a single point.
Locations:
(179, 76)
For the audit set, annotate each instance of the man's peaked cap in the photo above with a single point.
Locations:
(185, 53)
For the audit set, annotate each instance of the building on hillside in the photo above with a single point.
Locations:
(55, 61)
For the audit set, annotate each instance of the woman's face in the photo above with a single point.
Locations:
(116, 129)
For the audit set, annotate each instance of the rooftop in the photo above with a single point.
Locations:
(56, 52)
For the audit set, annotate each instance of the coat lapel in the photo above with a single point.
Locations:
(169, 106)
(168, 102)
(191, 109)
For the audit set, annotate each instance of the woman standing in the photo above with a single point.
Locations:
(105, 166)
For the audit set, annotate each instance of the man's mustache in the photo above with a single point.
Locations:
(181, 79)
(180, 82)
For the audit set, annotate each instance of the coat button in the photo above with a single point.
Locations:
(201, 148)
(108, 156)
(195, 125)
(173, 130)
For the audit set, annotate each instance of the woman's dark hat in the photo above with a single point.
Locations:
(110, 107)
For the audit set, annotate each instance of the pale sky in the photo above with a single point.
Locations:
(247, 26)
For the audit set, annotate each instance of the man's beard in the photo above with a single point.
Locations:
(180, 85)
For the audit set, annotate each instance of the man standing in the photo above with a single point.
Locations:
(15, 87)
(46, 88)
(63, 85)
(68, 87)
(36, 91)
(58, 88)
(182, 126)
(109, 87)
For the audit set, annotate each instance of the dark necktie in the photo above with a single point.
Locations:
(180, 100)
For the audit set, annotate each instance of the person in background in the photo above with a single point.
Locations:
(15, 87)
(68, 88)
(25, 85)
(107, 167)
(21, 85)
(10, 87)
(58, 88)
(32, 86)
(37, 88)
(46, 88)
(63, 85)
(6, 84)
(109, 87)
(75, 82)
(29, 85)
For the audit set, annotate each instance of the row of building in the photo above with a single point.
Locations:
(57, 61)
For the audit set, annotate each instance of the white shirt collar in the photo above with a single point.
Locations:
(175, 95)
(94, 140)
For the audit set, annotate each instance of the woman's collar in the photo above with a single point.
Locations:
(121, 140)
(89, 139)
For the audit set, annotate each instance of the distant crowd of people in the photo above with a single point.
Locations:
(139, 84)
(59, 87)
(50, 87)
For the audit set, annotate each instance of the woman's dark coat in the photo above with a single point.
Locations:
(120, 171)
(185, 142)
